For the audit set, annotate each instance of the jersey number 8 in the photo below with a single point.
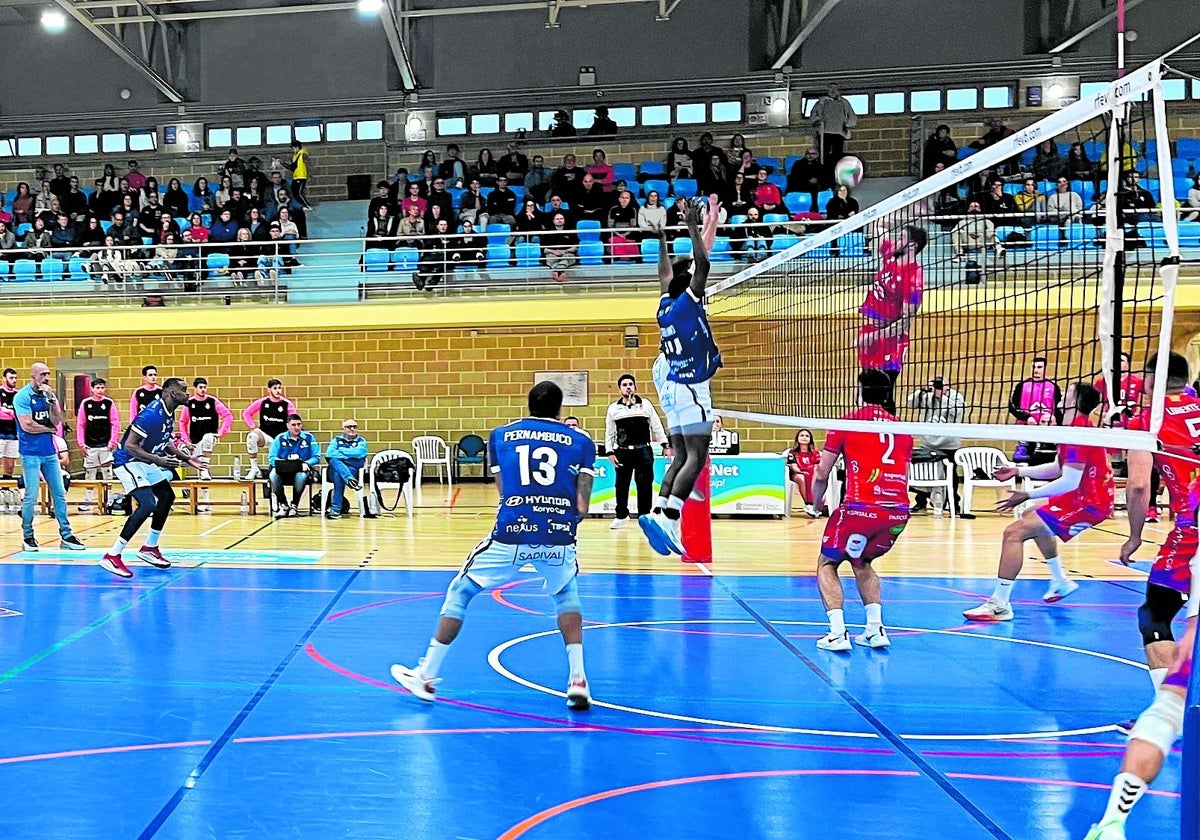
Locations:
(543, 460)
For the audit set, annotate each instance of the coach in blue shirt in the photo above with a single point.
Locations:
(347, 454)
(293, 457)
(38, 415)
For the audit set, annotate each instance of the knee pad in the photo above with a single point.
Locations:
(207, 443)
(1157, 613)
(1162, 723)
(566, 600)
(252, 442)
(459, 595)
(164, 492)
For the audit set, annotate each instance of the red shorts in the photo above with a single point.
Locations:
(1067, 516)
(885, 354)
(862, 533)
(1172, 567)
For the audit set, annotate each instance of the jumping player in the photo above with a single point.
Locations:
(8, 424)
(1080, 495)
(145, 393)
(689, 359)
(891, 305)
(203, 421)
(143, 464)
(871, 517)
(266, 418)
(97, 431)
(544, 472)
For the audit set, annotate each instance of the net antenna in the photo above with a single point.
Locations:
(1078, 288)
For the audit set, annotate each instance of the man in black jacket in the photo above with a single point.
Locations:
(514, 164)
(808, 175)
(469, 249)
(567, 180)
(383, 196)
(502, 203)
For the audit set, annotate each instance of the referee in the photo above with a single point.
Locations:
(631, 425)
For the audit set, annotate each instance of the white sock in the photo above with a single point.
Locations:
(575, 659)
(432, 662)
(837, 622)
(675, 503)
(118, 547)
(660, 502)
(1127, 789)
(152, 540)
(1003, 591)
(1157, 675)
(1056, 570)
(874, 616)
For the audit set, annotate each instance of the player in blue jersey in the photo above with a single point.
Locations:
(544, 472)
(689, 359)
(143, 463)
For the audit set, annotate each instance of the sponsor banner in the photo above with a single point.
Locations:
(744, 485)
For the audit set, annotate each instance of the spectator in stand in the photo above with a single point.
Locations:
(834, 117)
(109, 186)
(1134, 201)
(603, 125)
(166, 257)
(502, 204)
(90, 237)
(1079, 168)
(538, 181)
(469, 247)
(61, 182)
(559, 248)
(148, 193)
(382, 229)
(600, 170)
(198, 230)
(1191, 205)
(257, 225)
(187, 258)
(562, 126)
(50, 217)
(741, 194)
(398, 186)
(842, 205)
(112, 264)
(438, 197)
(413, 198)
(234, 168)
(8, 244)
(133, 177)
(37, 241)
(766, 196)
(938, 403)
(74, 202)
(567, 180)
(452, 170)
(44, 200)
(485, 169)
(754, 242)
(288, 228)
(435, 257)
(514, 165)
(996, 131)
(679, 160)
(411, 228)
(529, 222)
(22, 205)
(712, 176)
(802, 460)
(346, 454)
(1030, 203)
(999, 206)
(224, 229)
(945, 202)
(238, 204)
(974, 233)
(273, 260)
(652, 216)
(63, 233)
(425, 181)
(224, 192)
(593, 202)
(243, 257)
(255, 178)
(702, 154)
(472, 206)
(382, 196)
(1048, 164)
(1063, 207)
(939, 148)
(623, 220)
(124, 230)
(808, 175)
(429, 158)
(253, 197)
(98, 202)
(277, 184)
(746, 165)
(737, 145)
(433, 215)
(175, 200)
(147, 225)
(5, 216)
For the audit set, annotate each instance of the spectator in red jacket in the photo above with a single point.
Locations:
(767, 196)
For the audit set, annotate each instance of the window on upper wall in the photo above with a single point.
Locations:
(889, 103)
(307, 131)
(691, 113)
(962, 99)
(451, 126)
(143, 140)
(485, 123)
(29, 146)
(521, 121)
(998, 96)
(860, 102)
(545, 120)
(923, 101)
(623, 117)
(220, 138)
(279, 135)
(582, 118)
(114, 143)
(1089, 89)
(58, 145)
(249, 135)
(339, 132)
(656, 115)
(87, 144)
(366, 130)
(1195, 88)
(7, 147)
(1174, 89)
(727, 111)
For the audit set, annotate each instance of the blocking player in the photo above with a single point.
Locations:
(145, 393)
(871, 517)
(144, 463)
(8, 424)
(891, 305)
(544, 472)
(1079, 494)
(266, 418)
(203, 421)
(97, 431)
(682, 371)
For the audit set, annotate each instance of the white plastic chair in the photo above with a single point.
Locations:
(432, 451)
(327, 489)
(933, 474)
(987, 459)
(406, 491)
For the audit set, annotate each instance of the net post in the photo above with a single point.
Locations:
(1189, 805)
(696, 526)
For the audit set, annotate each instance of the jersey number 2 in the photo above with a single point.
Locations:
(889, 440)
(543, 460)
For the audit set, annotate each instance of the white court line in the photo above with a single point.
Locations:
(495, 653)
(216, 528)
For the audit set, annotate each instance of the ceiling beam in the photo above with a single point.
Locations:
(1091, 27)
(123, 52)
(818, 16)
(391, 28)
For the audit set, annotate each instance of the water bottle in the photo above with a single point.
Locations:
(237, 466)
(245, 506)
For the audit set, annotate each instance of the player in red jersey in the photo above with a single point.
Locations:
(1175, 574)
(891, 305)
(1080, 496)
(873, 514)
(1128, 396)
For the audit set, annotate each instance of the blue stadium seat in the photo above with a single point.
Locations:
(779, 181)
(722, 251)
(529, 255)
(519, 192)
(206, 219)
(682, 247)
(497, 228)
(1081, 236)
(686, 187)
(405, 259)
(853, 244)
(771, 165)
(456, 195)
(626, 172)
(1189, 234)
(589, 230)
(966, 151)
(1094, 149)
(1188, 148)
(790, 161)
(663, 188)
(1182, 185)
(25, 271)
(739, 219)
(498, 254)
(486, 191)
(1045, 187)
(1152, 186)
(1086, 190)
(1004, 231)
(1012, 189)
(195, 205)
(798, 202)
(650, 247)
(1155, 234)
(376, 259)
(1045, 237)
(819, 252)
(183, 223)
(1180, 167)
(4, 269)
(1151, 149)
(823, 200)
(78, 269)
(651, 167)
(783, 241)
(547, 207)
(105, 225)
(8, 198)
(1026, 157)
(1064, 149)
(53, 268)
(217, 264)
(591, 253)
(23, 229)
(776, 218)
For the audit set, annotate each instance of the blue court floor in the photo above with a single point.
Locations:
(211, 702)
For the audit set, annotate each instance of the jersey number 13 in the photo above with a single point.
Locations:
(537, 465)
